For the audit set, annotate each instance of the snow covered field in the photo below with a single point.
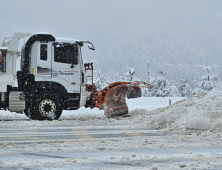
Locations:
(184, 135)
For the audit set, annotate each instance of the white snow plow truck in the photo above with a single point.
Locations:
(53, 78)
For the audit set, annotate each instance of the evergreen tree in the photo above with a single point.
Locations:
(129, 75)
(184, 88)
(145, 91)
(160, 86)
(174, 91)
(207, 82)
(100, 80)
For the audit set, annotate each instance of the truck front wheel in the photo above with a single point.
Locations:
(47, 107)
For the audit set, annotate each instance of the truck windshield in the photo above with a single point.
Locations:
(66, 53)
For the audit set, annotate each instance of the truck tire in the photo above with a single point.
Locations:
(47, 107)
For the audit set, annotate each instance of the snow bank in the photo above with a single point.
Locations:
(199, 112)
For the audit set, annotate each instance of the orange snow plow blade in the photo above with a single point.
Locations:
(112, 98)
(114, 101)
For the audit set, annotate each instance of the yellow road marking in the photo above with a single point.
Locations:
(82, 134)
(29, 138)
(134, 134)
(29, 131)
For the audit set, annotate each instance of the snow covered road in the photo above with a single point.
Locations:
(25, 134)
(64, 146)
(88, 140)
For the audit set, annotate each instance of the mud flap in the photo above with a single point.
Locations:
(114, 102)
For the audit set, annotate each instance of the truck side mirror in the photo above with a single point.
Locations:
(80, 43)
(92, 47)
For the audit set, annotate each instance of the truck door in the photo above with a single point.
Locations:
(66, 66)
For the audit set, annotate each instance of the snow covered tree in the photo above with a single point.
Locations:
(146, 91)
(129, 75)
(174, 91)
(184, 88)
(207, 82)
(160, 88)
(162, 73)
(100, 81)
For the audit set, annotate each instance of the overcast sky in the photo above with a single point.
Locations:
(80, 19)
(101, 20)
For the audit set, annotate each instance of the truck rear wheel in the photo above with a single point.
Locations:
(48, 107)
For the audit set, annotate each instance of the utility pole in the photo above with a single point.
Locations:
(148, 64)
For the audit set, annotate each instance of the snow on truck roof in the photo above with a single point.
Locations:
(41, 33)
(69, 40)
(59, 39)
(3, 48)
